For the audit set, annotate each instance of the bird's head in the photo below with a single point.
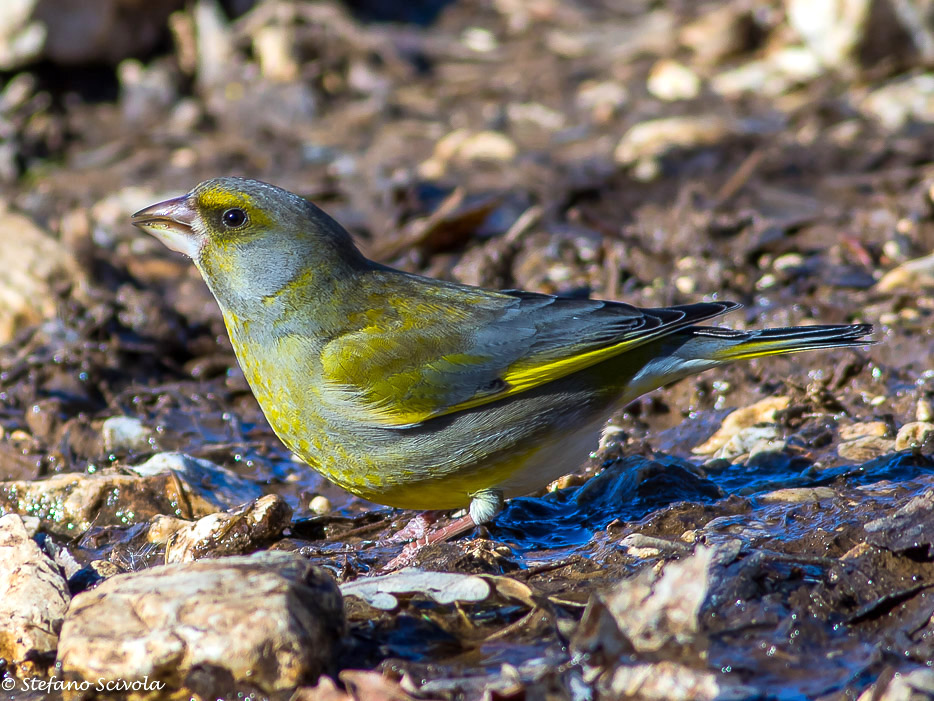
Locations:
(249, 235)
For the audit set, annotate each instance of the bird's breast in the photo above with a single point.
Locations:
(281, 370)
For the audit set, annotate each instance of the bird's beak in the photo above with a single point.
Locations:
(172, 222)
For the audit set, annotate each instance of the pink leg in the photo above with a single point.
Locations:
(418, 527)
(484, 506)
(452, 530)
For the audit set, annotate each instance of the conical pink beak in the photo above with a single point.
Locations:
(172, 222)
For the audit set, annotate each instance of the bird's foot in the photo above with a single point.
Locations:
(427, 537)
(418, 527)
(484, 507)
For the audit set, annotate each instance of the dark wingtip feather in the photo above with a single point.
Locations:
(793, 339)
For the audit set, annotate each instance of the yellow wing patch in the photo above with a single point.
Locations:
(393, 396)
(408, 398)
(523, 375)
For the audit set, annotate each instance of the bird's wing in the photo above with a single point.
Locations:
(412, 355)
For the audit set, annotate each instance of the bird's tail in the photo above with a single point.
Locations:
(742, 345)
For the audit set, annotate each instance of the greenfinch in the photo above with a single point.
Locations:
(424, 394)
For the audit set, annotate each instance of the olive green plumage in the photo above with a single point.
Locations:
(425, 394)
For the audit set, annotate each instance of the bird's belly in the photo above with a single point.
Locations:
(525, 468)
(553, 459)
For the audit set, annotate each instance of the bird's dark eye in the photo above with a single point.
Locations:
(234, 218)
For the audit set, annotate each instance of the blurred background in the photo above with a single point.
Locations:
(773, 152)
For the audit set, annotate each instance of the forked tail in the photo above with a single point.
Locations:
(742, 345)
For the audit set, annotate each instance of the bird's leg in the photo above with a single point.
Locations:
(485, 505)
(418, 527)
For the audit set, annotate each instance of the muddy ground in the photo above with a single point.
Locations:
(659, 152)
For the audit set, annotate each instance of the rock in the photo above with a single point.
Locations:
(162, 527)
(901, 101)
(924, 411)
(849, 35)
(643, 546)
(777, 73)
(657, 607)
(91, 575)
(443, 587)
(865, 448)
(831, 29)
(718, 33)
(274, 47)
(320, 505)
(21, 37)
(904, 686)
(257, 104)
(478, 39)
(482, 146)
(798, 495)
(750, 441)
(685, 284)
(913, 435)
(762, 412)
(669, 80)
(28, 289)
(171, 483)
(360, 685)
(68, 504)
(102, 30)
(910, 528)
(788, 261)
(88, 31)
(911, 275)
(215, 53)
(271, 620)
(864, 429)
(535, 114)
(670, 681)
(765, 448)
(653, 138)
(234, 532)
(463, 145)
(603, 99)
(126, 434)
(33, 599)
(62, 557)
(211, 482)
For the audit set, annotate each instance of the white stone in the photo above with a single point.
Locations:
(33, 596)
(271, 619)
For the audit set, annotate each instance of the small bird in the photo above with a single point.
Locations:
(424, 394)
